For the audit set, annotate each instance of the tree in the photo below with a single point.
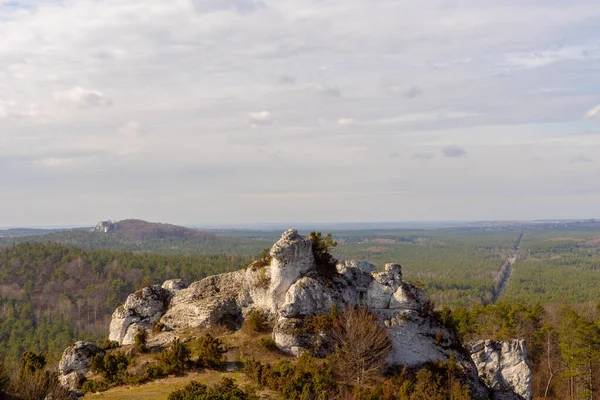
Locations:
(175, 358)
(211, 351)
(321, 246)
(362, 344)
(140, 341)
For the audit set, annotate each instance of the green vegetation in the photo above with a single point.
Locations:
(52, 295)
(226, 389)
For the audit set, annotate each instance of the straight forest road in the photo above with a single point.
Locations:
(506, 270)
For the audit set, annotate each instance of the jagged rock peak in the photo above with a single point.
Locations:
(106, 227)
(503, 367)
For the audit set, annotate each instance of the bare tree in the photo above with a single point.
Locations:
(362, 344)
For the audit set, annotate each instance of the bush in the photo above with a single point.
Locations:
(157, 326)
(110, 344)
(255, 322)
(264, 259)
(140, 341)
(268, 343)
(112, 366)
(31, 362)
(39, 384)
(174, 360)
(226, 389)
(211, 351)
(310, 378)
(326, 263)
(94, 386)
(156, 371)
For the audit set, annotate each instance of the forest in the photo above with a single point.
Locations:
(53, 292)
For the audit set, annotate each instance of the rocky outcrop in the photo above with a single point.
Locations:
(140, 310)
(504, 368)
(106, 227)
(75, 363)
(289, 288)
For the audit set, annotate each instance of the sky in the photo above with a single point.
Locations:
(260, 111)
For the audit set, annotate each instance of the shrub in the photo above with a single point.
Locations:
(255, 322)
(112, 366)
(310, 378)
(110, 344)
(31, 362)
(157, 326)
(94, 386)
(156, 371)
(226, 389)
(268, 343)
(39, 384)
(140, 341)
(174, 360)
(326, 263)
(264, 259)
(211, 351)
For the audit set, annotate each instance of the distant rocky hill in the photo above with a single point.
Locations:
(293, 285)
(139, 230)
(142, 236)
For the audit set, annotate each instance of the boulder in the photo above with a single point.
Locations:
(174, 285)
(138, 312)
(77, 358)
(503, 367)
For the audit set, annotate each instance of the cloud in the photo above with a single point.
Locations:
(580, 158)
(239, 6)
(542, 58)
(394, 154)
(329, 90)
(286, 79)
(261, 117)
(10, 109)
(345, 121)
(52, 162)
(83, 98)
(412, 92)
(453, 151)
(422, 156)
(130, 129)
(594, 112)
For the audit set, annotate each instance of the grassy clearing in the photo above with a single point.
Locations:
(160, 389)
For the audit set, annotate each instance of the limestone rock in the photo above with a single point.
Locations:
(140, 310)
(363, 265)
(77, 358)
(174, 285)
(504, 367)
(292, 257)
(72, 380)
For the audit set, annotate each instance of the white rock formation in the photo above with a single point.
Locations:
(292, 287)
(504, 368)
(75, 363)
(140, 310)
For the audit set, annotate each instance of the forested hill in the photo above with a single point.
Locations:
(141, 236)
(52, 294)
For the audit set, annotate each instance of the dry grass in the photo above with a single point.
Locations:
(241, 345)
(160, 389)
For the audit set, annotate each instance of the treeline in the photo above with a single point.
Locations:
(563, 342)
(51, 294)
(557, 267)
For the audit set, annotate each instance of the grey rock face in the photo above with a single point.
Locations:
(174, 285)
(78, 357)
(504, 367)
(75, 363)
(106, 227)
(138, 312)
(363, 265)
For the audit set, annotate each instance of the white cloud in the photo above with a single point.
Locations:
(345, 121)
(203, 73)
(130, 130)
(594, 112)
(261, 117)
(83, 98)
